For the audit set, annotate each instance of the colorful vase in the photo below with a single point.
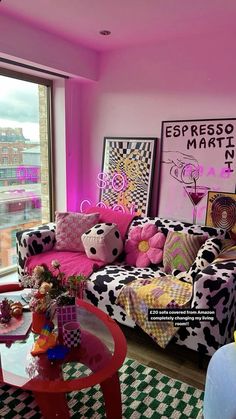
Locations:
(65, 314)
(38, 321)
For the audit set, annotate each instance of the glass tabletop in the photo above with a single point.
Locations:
(99, 355)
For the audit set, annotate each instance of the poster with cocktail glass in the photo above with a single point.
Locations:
(197, 156)
(125, 181)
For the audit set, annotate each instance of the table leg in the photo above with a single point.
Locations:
(112, 397)
(52, 405)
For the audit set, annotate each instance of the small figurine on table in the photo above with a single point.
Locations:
(5, 311)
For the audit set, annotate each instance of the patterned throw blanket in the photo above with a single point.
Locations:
(164, 292)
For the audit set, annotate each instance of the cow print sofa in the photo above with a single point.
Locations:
(213, 288)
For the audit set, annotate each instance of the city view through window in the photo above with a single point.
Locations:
(24, 162)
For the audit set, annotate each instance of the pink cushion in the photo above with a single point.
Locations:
(108, 215)
(103, 242)
(144, 246)
(69, 228)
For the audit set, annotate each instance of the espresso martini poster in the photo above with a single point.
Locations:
(198, 156)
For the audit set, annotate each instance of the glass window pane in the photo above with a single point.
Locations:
(24, 161)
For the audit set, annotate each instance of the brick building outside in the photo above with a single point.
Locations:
(24, 182)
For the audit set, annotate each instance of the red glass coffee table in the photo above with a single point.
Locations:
(103, 349)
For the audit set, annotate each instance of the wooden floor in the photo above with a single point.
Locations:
(175, 361)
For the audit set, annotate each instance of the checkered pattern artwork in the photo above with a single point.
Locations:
(129, 165)
(145, 392)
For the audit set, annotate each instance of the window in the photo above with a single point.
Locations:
(25, 151)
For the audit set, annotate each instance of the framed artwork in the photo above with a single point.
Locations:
(221, 210)
(126, 179)
(197, 156)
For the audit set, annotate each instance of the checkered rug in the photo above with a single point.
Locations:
(146, 393)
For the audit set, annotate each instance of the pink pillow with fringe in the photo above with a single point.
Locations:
(69, 228)
(144, 246)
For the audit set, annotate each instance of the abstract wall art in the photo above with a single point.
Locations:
(221, 210)
(125, 181)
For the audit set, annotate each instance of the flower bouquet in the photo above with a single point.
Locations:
(46, 286)
(76, 285)
(53, 294)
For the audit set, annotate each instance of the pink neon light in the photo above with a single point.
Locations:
(100, 177)
(213, 171)
(105, 179)
(124, 180)
(117, 206)
(25, 173)
(82, 203)
(101, 204)
(132, 209)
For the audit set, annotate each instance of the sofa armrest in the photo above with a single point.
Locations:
(213, 283)
(32, 242)
(214, 288)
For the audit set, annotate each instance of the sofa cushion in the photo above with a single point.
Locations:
(71, 263)
(180, 250)
(107, 215)
(145, 246)
(103, 242)
(69, 228)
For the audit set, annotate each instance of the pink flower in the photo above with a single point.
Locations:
(38, 270)
(144, 246)
(55, 264)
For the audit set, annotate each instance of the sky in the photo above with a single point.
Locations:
(19, 106)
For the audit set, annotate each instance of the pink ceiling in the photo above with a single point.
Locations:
(131, 22)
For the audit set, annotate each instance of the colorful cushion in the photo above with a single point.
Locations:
(144, 246)
(69, 228)
(180, 250)
(103, 242)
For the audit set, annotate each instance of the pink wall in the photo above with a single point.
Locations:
(139, 87)
(73, 143)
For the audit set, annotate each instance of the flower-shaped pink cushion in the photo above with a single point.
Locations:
(144, 246)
